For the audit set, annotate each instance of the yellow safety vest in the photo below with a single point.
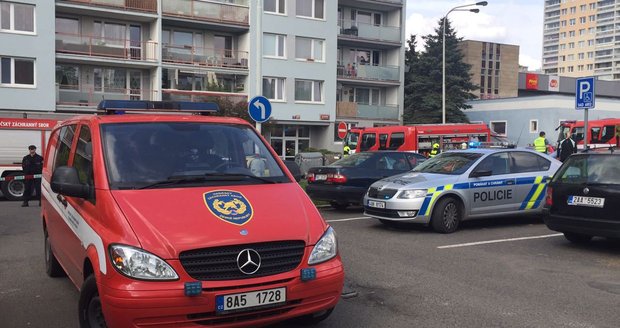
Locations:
(539, 145)
(346, 150)
(433, 152)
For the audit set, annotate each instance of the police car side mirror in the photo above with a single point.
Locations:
(482, 173)
(65, 181)
(294, 169)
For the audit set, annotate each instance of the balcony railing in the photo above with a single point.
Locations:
(208, 11)
(89, 95)
(105, 47)
(353, 29)
(368, 72)
(140, 5)
(196, 96)
(351, 109)
(204, 56)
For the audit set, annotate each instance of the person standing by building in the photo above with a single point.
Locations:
(32, 164)
(566, 148)
(541, 143)
(435, 151)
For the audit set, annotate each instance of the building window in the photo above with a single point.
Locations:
(68, 77)
(572, 21)
(570, 69)
(573, 10)
(499, 127)
(571, 45)
(581, 55)
(533, 126)
(275, 6)
(308, 90)
(592, 18)
(582, 8)
(571, 33)
(571, 57)
(311, 8)
(273, 45)
(273, 88)
(582, 20)
(590, 67)
(16, 71)
(309, 49)
(580, 68)
(16, 17)
(496, 65)
(110, 80)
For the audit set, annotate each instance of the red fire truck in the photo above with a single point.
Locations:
(418, 138)
(16, 134)
(602, 132)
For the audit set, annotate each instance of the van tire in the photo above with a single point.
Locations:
(10, 188)
(447, 215)
(52, 267)
(90, 313)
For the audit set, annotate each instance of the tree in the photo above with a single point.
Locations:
(424, 80)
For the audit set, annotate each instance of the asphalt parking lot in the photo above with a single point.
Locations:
(494, 273)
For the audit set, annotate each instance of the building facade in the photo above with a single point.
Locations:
(319, 62)
(579, 38)
(494, 67)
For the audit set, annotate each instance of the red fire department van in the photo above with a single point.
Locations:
(602, 132)
(184, 221)
(16, 134)
(418, 138)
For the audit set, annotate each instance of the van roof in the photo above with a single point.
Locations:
(135, 118)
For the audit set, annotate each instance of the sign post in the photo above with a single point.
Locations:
(259, 109)
(584, 99)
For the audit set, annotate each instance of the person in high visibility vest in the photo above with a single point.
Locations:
(435, 151)
(346, 150)
(541, 143)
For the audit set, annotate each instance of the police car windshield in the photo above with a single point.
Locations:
(448, 163)
(141, 154)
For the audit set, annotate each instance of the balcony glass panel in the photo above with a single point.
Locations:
(351, 109)
(369, 31)
(87, 95)
(105, 47)
(369, 72)
(141, 5)
(210, 11)
(204, 56)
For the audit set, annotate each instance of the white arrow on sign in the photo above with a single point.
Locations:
(260, 105)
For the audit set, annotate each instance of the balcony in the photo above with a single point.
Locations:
(88, 45)
(196, 96)
(204, 56)
(89, 95)
(363, 111)
(350, 29)
(237, 13)
(139, 5)
(368, 72)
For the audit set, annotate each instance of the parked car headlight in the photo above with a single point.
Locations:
(325, 249)
(413, 193)
(140, 264)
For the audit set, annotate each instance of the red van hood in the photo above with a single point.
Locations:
(169, 221)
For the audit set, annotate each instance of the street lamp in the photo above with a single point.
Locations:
(443, 53)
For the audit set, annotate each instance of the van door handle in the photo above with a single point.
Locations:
(62, 200)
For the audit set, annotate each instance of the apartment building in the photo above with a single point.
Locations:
(494, 67)
(579, 38)
(319, 62)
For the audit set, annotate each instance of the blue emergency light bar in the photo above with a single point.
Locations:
(122, 106)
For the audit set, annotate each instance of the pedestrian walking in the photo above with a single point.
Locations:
(566, 148)
(32, 164)
(541, 143)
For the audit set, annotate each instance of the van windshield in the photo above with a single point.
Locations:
(154, 154)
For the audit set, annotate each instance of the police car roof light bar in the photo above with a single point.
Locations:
(122, 106)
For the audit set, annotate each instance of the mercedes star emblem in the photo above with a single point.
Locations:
(586, 190)
(248, 261)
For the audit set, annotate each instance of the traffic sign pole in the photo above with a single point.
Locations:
(585, 129)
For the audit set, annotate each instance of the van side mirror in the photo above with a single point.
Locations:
(481, 173)
(294, 169)
(65, 181)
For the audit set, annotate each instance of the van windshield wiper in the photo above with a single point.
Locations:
(181, 179)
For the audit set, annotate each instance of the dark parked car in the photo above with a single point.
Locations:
(583, 199)
(345, 181)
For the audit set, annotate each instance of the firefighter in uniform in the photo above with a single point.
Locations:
(346, 150)
(32, 164)
(435, 151)
(540, 143)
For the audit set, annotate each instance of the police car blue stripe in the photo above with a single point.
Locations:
(528, 180)
(427, 201)
(464, 185)
(527, 198)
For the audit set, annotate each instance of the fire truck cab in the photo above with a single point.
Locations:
(602, 132)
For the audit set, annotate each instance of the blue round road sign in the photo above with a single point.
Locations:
(259, 109)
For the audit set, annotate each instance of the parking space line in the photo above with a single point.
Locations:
(350, 219)
(499, 241)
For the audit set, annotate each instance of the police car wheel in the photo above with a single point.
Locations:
(446, 215)
(314, 318)
(577, 238)
(90, 312)
(52, 267)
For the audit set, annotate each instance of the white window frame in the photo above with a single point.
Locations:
(322, 87)
(277, 12)
(12, 84)
(505, 127)
(279, 38)
(280, 81)
(313, 42)
(530, 126)
(313, 10)
(12, 19)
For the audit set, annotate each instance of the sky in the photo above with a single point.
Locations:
(516, 22)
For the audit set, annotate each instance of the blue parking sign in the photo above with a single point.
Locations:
(584, 93)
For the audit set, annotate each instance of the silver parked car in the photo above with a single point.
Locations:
(460, 185)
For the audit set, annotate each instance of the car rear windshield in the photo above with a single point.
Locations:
(143, 154)
(601, 169)
(353, 160)
(448, 163)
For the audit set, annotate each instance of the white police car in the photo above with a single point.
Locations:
(461, 185)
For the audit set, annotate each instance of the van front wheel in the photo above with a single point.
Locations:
(89, 307)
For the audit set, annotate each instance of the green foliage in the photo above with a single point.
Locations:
(423, 81)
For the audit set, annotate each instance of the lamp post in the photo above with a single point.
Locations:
(443, 53)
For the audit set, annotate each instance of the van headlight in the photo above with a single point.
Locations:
(325, 249)
(413, 193)
(140, 264)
